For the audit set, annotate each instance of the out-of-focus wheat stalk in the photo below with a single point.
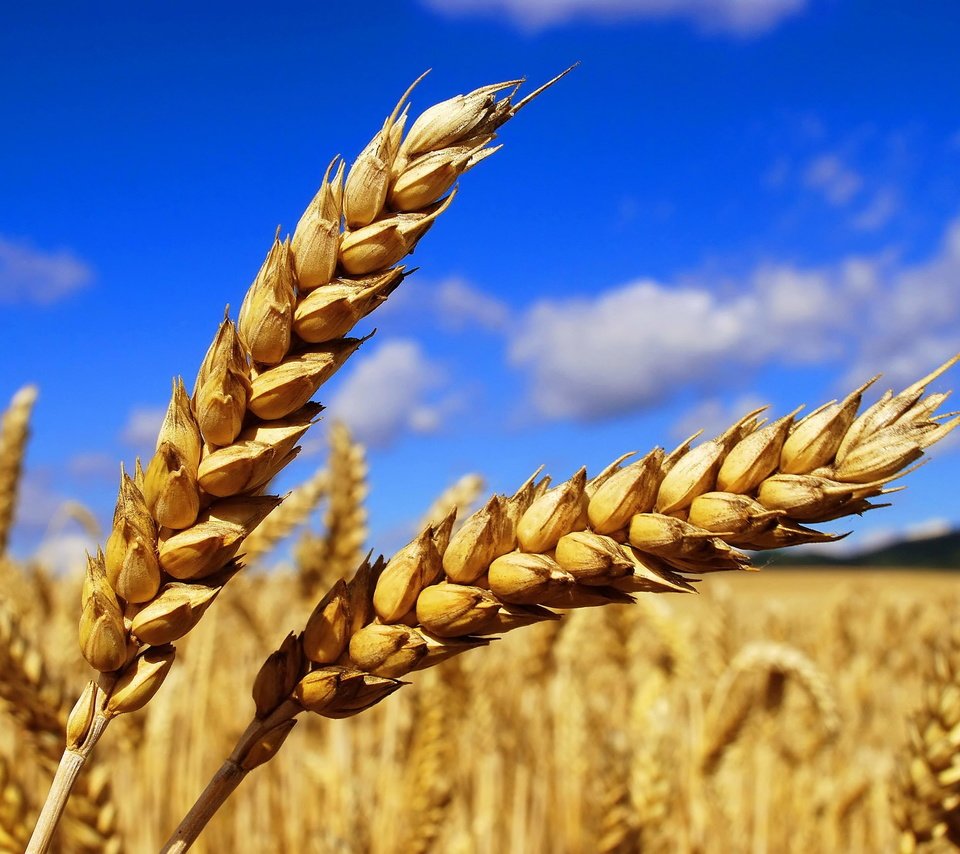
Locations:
(774, 663)
(336, 551)
(294, 511)
(14, 432)
(637, 527)
(462, 496)
(926, 804)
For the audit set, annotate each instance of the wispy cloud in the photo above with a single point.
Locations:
(394, 390)
(461, 305)
(739, 17)
(452, 304)
(142, 426)
(878, 212)
(31, 275)
(65, 553)
(833, 179)
(94, 465)
(635, 346)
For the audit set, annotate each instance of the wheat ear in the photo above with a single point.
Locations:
(180, 524)
(323, 558)
(926, 803)
(14, 433)
(635, 527)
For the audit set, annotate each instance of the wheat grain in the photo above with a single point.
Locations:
(38, 701)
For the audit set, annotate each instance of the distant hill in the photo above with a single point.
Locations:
(942, 552)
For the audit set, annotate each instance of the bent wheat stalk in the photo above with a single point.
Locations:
(636, 527)
(179, 525)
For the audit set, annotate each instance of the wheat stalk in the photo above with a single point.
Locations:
(462, 496)
(635, 527)
(14, 432)
(926, 804)
(279, 524)
(776, 662)
(179, 525)
(323, 558)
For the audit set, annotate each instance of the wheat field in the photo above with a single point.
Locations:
(770, 712)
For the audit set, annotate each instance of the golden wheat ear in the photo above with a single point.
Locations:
(636, 527)
(180, 523)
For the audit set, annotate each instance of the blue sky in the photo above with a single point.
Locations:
(728, 203)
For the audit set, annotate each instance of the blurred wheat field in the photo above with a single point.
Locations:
(768, 713)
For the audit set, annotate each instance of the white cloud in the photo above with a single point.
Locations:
(740, 17)
(828, 175)
(636, 345)
(142, 427)
(461, 306)
(878, 211)
(928, 528)
(94, 464)
(452, 304)
(392, 390)
(30, 275)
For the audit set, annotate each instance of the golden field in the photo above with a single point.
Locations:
(768, 713)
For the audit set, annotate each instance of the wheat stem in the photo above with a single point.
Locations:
(223, 784)
(71, 764)
(258, 743)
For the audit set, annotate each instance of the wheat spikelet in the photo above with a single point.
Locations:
(926, 805)
(14, 813)
(294, 511)
(634, 528)
(14, 432)
(461, 495)
(322, 559)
